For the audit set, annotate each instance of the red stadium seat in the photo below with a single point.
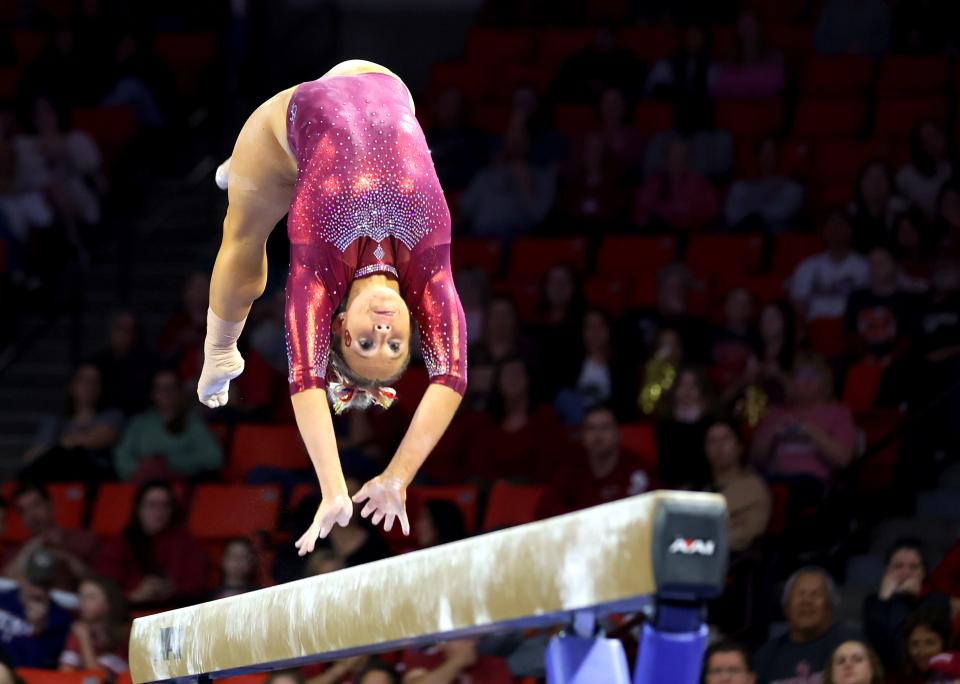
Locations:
(559, 44)
(911, 75)
(187, 55)
(574, 120)
(267, 446)
(607, 294)
(69, 501)
(835, 118)
(791, 249)
(649, 42)
(750, 118)
(301, 492)
(794, 40)
(9, 79)
(483, 253)
(491, 118)
(639, 439)
(826, 335)
(831, 195)
(464, 496)
(35, 676)
(843, 160)
(780, 497)
(652, 117)
(879, 428)
(473, 80)
(714, 255)
(836, 76)
(111, 127)
(499, 47)
(863, 384)
(782, 10)
(724, 45)
(27, 45)
(628, 257)
(259, 678)
(513, 76)
(897, 116)
(511, 504)
(219, 511)
(531, 258)
(764, 288)
(113, 507)
(796, 158)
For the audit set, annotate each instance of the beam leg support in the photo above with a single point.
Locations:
(672, 645)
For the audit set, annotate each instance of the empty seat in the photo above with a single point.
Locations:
(112, 509)
(472, 79)
(491, 118)
(833, 118)
(266, 446)
(863, 384)
(713, 255)
(556, 46)
(68, 500)
(187, 55)
(628, 256)
(795, 40)
(909, 75)
(897, 116)
(750, 118)
(482, 253)
(531, 258)
(222, 511)
(9, 79)
(791, 249)
(837, 76)
(652, 117)
(464, 496)
(639, 439)
(511, 504)
(779, 501)
(843, 160)
(499, 46)
(607, 294)
(111, 127)
(826, 336)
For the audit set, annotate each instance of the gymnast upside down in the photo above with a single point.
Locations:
(369, 253)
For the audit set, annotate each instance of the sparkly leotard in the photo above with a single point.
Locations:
(367, 200)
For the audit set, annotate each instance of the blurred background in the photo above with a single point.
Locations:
(701, 244)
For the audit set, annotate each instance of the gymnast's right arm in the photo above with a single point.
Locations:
(262, 174)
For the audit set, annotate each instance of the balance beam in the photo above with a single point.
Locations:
(610, 558)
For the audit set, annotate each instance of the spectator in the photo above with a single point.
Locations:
(593, 195)
(502, 336)
(512, 195)
(747, 496)
(126, 365)
(622, 143)
(378, 673)
(155, 560)
(756, 71)
(859, 27)
(169, 440)
(734, 341)
(873, 205)
(726, 662)
(854, 662)
(803, 652)
(184, 331)
(76, 444)
(601, 65)
(929, 169)
(99, 636)
(901, 592)
(660, 372)
(809, 439)
(33, 628)
(559, 314)
(911, 244)
(769, 369)
(603, 472)
(772, 199)
(345, 670)
(948, 213)
(681, 432)
(458, 149)
(926, 633)
(687, 79)
(74, 550)
(23, 206)
(440, 522)
(946, 668)
(678, 198)
(238, 568)
(880, 319)
(821, 284)
(451, 661)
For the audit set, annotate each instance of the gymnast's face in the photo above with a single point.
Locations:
(375, 330)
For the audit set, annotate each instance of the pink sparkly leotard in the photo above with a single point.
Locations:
(367, 200)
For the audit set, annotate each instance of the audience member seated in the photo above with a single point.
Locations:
(453, 661)
(440, 522)
(902, 590)
(806, 441)
(155, 560)
(873, 207)
(100, 635)
(771, 198)
(686, 79)
(734, 341)
(821, 284)
(558, 316)
(512, 195)
(502, 336)
(238, 569)
(184, 331)
(126, 365)
(859, 27)
(74, 550)
(33, 629)
(170, 440)
(803, 652)
(76, 445)
(601, 472)
(518, 439)
(726, 662)
(756, 71)
(23, 209)
(880, 319)
(747, 496)
(602, 64)
(929, 169)
(378, 673)
(622, 142)
(854, 662)
(681, 431)
(926, 633)
(947, 218)
(912, 243)
(678, 198)
(592, 193)
(458, 150)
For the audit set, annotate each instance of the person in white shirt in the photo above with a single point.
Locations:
(920, 181)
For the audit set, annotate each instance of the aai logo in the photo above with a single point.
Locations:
(693, 547)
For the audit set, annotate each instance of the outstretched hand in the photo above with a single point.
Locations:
(386, 499)
(335, 510)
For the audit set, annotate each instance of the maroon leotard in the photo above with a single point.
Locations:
(367, 200)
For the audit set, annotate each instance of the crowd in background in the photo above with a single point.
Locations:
(739, 393)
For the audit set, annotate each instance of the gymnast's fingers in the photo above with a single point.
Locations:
(377, 517)
(368, 509)
(388, 525)
(404, 522)
(361, 495)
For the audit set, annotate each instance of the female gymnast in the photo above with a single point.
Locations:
(369, 253)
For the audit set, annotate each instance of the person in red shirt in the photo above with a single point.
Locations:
(454, 662)
(604, 473)
(155, 560)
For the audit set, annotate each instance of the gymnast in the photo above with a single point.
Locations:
(369, 254)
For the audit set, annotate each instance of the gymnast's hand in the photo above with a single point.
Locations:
(386, 499)
(335, 510)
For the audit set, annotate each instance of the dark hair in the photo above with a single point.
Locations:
(252, 577)
(576, 296)
(294, 673)
(29, 486)
(378, 666)
(932, 617)
(496, 404)
(906, 543)
(140, 543)
(338, 364)
(919, 222)
(761, 37)
(116, 619)
(703, 382)
(876, 667)
(600, 407)
(922, 161)
(69, 406)
(724, 646)
(730, 423)
(59, 107)
(788, 351)
(859, 200)
(447, 520)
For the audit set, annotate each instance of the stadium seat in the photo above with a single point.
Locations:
(750, 118)
(796, 158)
(713, 255)
(881, 445)
(9, 79)
(557, 45)
(843, 160)
(531, 258)
(630, 256)
(483, 253)
(652, 117)
(511, 504)
(464, 496)
(27, 45)
(836, 76)
(222, 511)
(790, 250)
(574, 120)
(649, 43)
(36, 676)
(607, 294)
(793, 39)
(265, 446)
(259, 678)
(897, 116)
(69, 501)
(863, 384)
(825, 335)
(499, 47)
(473, 80)
(779, 501)
(724, 42)
(301, 492)
(513, 76)
(830, 118)
(188, 56)
(112, 128)
(639, 439)
(912, 75)
(114, 506)
(491, 118)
